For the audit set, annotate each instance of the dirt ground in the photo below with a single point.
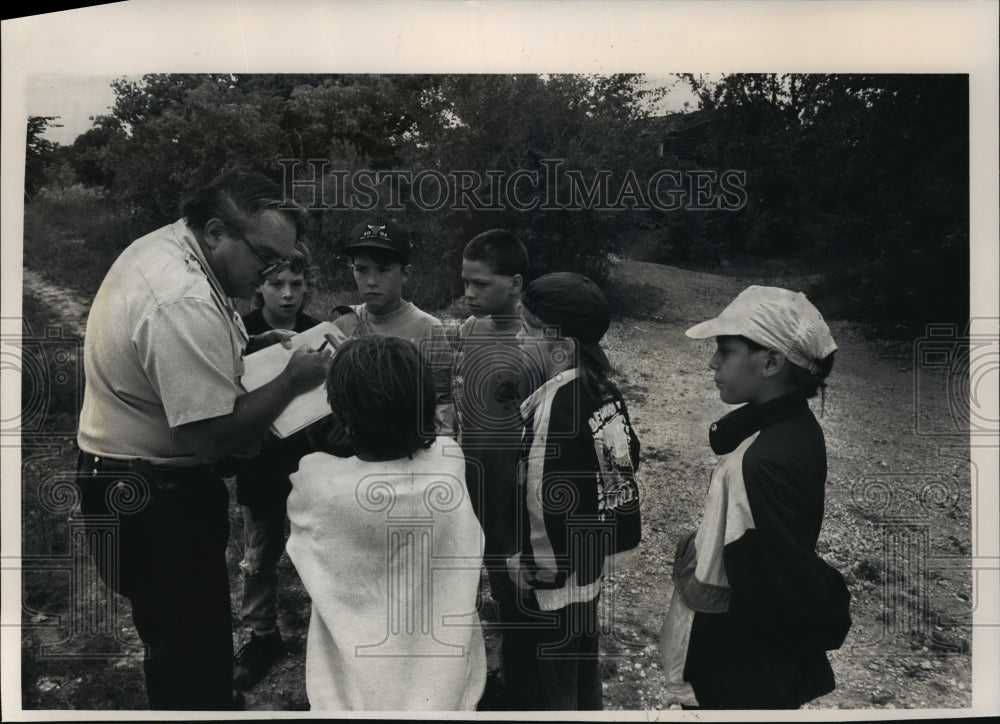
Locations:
(897, 525)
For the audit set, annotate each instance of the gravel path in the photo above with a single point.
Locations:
(71, 310)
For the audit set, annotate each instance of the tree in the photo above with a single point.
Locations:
(192, 127)
(376, 117)
(542, 125)
(866, 176)
(38, 153)
(89, 152)
(166, 134)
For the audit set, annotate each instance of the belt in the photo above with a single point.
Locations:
(98, 463)
(130, 482)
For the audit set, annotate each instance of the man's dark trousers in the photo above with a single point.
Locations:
(167, 555)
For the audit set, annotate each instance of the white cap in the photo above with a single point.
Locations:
(776, 318)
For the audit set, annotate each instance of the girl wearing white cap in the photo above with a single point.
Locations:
(754, 608)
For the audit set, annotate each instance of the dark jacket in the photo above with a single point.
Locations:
(262, 481)
(777, 605)
(578, 460)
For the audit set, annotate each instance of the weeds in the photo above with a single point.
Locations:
(74, 239)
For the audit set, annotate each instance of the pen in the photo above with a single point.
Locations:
(323, 346)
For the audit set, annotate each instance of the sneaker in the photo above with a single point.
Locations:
(255, 659)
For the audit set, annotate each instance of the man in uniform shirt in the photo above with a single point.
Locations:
(163, 412)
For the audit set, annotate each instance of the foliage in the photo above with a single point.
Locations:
(89, 154)
(73, 237)
(505, 125)
(168, 133)
(67, 195)
(866, 175)
(38, 151)
(862, 177)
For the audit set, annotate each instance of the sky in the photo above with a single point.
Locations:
(76, 99)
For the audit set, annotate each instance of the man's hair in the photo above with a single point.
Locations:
(236, 198)
(301, 263)
(499, 248)
(381, 390)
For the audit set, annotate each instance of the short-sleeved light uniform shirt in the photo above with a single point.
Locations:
(163, 347)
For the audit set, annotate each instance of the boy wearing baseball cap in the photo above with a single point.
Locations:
(380, 254)
(754, 608)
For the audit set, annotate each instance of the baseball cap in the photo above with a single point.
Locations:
(385, 235)
(776, 318)
(574, 304)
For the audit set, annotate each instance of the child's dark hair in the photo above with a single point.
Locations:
(501, 249)
(808, 384)
(301, 263)
(596, 381)
(381, 257)
(381, 390)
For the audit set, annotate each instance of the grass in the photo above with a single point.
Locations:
(74, 241)
(78, 683)
(50, 401)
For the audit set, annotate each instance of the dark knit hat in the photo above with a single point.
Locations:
(574, 304)
(384, 235)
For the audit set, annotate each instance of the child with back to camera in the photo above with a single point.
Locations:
(754, 608)
(387, 545)
(578, 501)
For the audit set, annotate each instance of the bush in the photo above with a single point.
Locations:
(70, 196)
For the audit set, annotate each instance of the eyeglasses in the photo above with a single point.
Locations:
(270, 267)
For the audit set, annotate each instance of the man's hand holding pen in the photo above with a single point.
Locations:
(307, 367)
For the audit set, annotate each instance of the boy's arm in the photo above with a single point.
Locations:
(760, 561)
(440, 356)
(777, 580)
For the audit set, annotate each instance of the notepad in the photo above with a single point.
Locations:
(262, 366)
